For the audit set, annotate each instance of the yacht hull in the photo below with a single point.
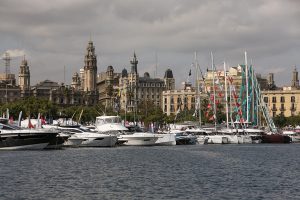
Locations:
(101, 141)
(18, 141)
(139, 139)
(166, 139)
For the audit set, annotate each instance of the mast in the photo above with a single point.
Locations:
(198, 89)
(213, 71)
(226, 103)
(253, 92)
(247, 90)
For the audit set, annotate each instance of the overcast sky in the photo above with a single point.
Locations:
(55, 33)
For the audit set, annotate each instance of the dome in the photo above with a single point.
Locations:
(110, 68)
(124, 73)
(146, 75)
(168, 74)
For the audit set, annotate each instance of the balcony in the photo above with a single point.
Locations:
(293, 108)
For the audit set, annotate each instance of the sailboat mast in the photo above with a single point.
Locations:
(214, 91)
(198, 89)
(253, 92)
(247, 91)
(226, 103)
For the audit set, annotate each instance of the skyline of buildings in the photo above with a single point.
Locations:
(90, 87)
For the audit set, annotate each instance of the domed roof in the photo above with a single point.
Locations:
(110, 68)
(168, 73)
(124, 73)
(146, 75)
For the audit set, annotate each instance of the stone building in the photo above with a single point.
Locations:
(185, 98)
(107, 86)
(283, 101)
(134, 89)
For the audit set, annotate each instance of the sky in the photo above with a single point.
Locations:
(54, 35)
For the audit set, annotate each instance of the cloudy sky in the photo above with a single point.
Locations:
(55, 33)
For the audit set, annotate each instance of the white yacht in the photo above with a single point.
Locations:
(295, 137)
(200, 133)
(81, 136)
(113, 125)
(138, 139)
(165, 139)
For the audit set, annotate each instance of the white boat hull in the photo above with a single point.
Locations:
(104, 141)
(217, 139)
(167, 139)
(139, 139)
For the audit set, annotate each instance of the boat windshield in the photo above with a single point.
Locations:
(108, 120)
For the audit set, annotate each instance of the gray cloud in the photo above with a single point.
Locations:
(54, 34)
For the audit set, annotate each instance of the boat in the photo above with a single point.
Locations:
(165, 139)
(16, 138)
(109, 124)
(139, 139)
(184, 138)
(81, 136)
(295, 137)
(200, 133)
(275, 138)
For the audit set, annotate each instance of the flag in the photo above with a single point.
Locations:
(11, 120)
(30, 124)
(190, 73)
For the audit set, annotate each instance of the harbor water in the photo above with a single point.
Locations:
(262, 171)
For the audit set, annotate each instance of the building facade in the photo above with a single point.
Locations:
(135, 90)
(283, 101)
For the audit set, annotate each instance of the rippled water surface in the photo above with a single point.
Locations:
(176, 172)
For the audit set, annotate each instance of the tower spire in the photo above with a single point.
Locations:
(134, 63)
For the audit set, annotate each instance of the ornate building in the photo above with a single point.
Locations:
(283, 101)
(83, 89)
(173, 100)
(130, 89)
(24, 78)
(90, 68)
(134, 90)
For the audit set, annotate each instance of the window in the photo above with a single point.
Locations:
(193, 99)
(172, 108)
(172, 100)
(266, 99)
(293, 99)
(282, 99)
(274, 114)
(165, 100)
(274, 107)
(282, 106)
(273, 99)
(165, 108)
(178, 100)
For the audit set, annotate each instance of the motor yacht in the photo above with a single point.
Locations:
(16, 138)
